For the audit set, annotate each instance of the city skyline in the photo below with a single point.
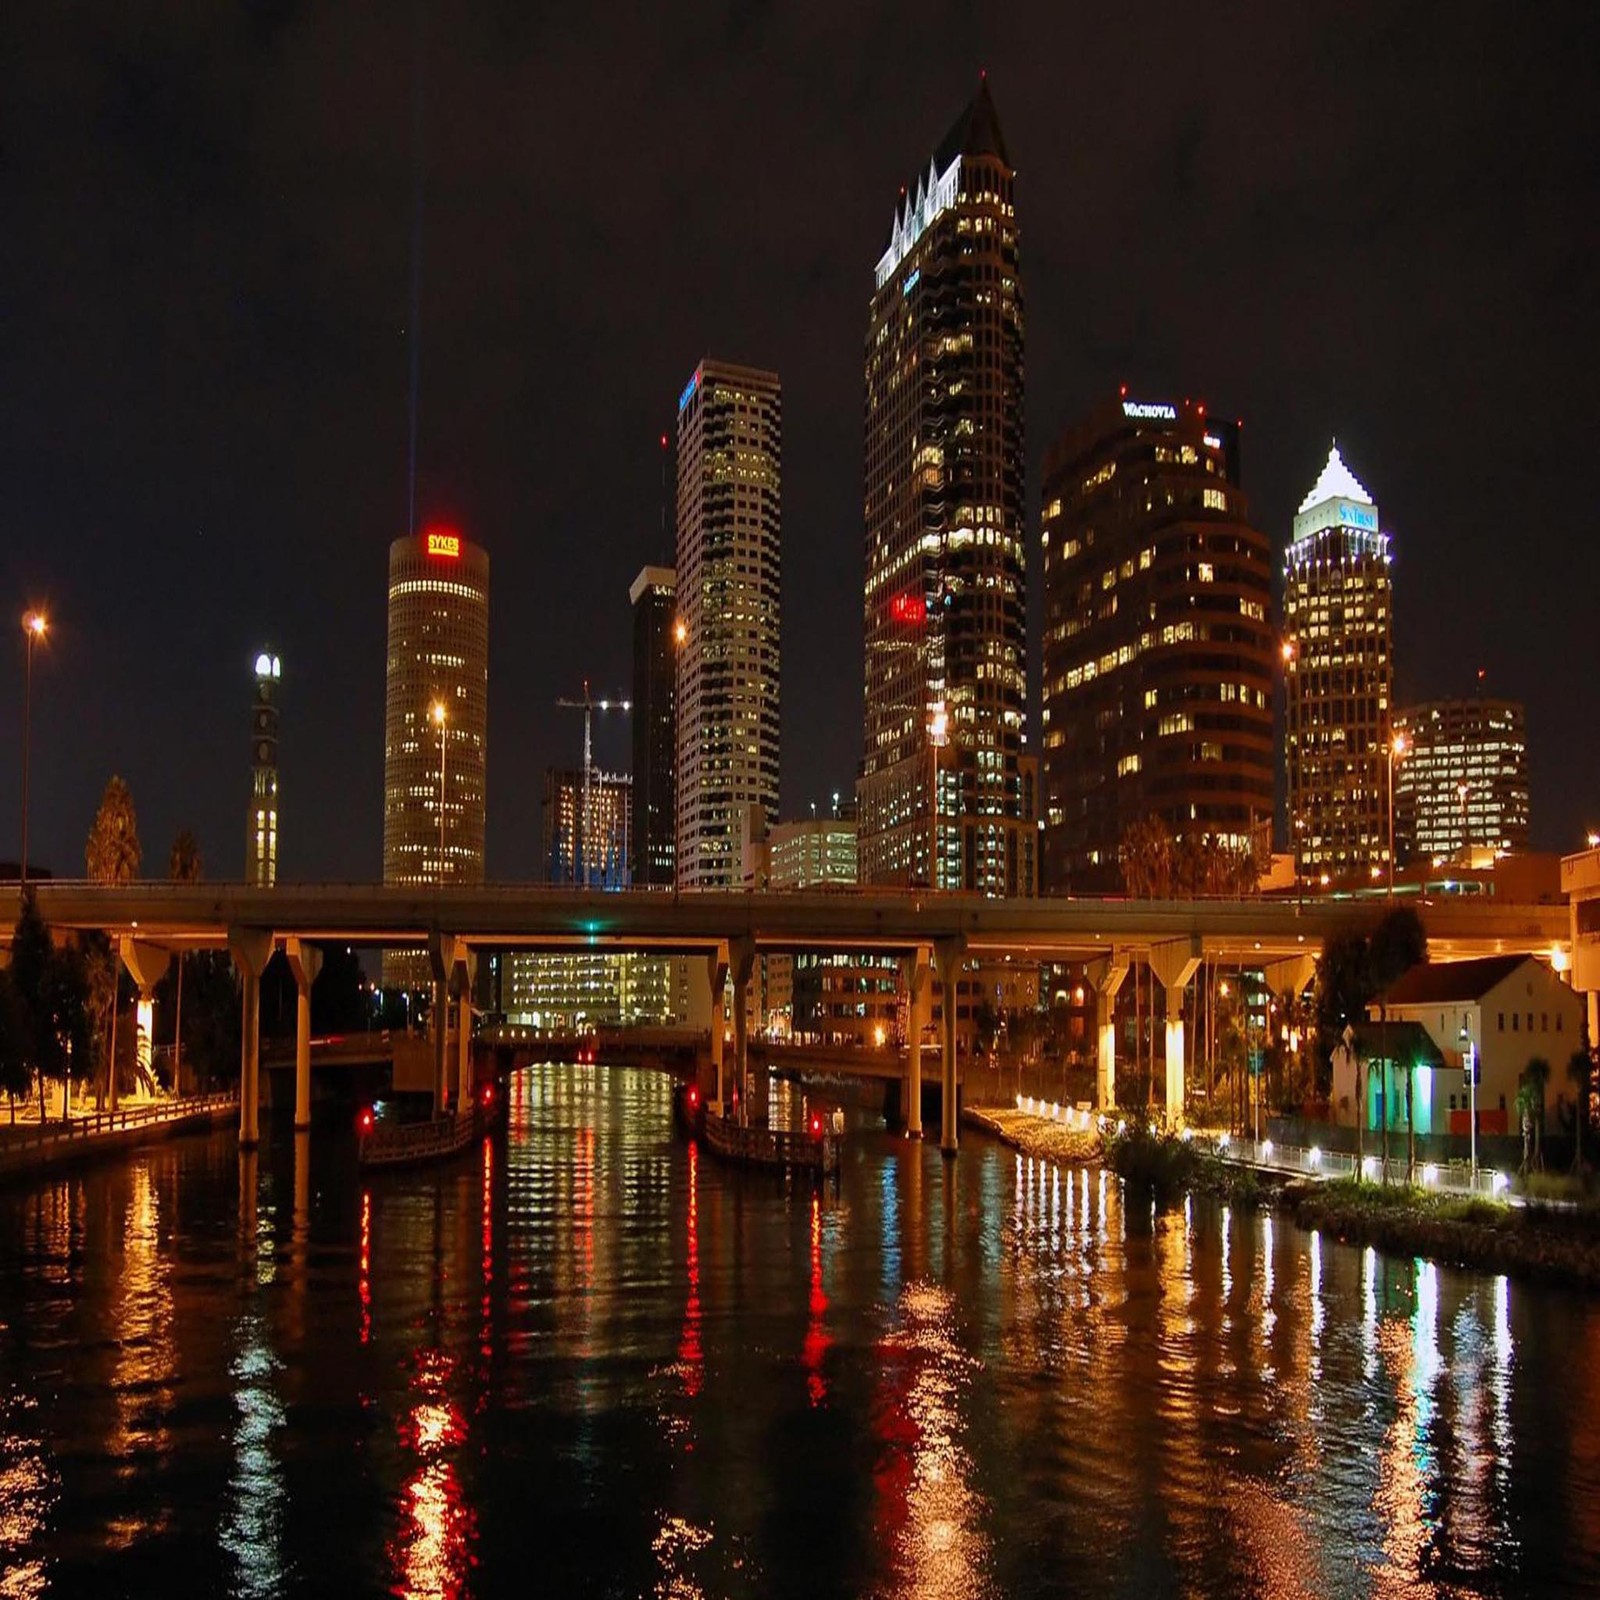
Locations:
(184, 552)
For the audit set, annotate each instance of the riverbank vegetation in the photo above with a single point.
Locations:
(1526, 1241)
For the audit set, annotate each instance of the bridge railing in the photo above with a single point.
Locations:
(1311, 1161)
(76, 1130)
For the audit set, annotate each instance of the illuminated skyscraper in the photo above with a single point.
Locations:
(730, 427)
(655, 667)
(436, 714)
(261, 833)
(1158, 652)
(1339, 680)
(945, 604)
(600, 861)
(1462, 789)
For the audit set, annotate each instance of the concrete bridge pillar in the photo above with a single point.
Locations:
(717, 982)
(147, 965)
(914, 970)
(465, 974)
(947, 954)
(251, 950)
(1173, 963)
(305, 962)
(1106, 975)
(742, 960)
(442, 960)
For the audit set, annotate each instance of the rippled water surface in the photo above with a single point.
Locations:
(587, 1360)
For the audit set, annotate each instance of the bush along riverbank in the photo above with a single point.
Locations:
(1528, 1241)
(1532, 1241)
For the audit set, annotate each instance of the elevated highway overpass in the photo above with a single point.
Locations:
(933, 934)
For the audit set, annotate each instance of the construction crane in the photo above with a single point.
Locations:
(588, 705)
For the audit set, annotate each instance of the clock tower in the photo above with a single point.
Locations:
(261, 841)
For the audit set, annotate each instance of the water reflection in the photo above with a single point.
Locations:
(29, 1488)
(588, 1353)
(143, 1372)
(432, 1551)
(930, 1517)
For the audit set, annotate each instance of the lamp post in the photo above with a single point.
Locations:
(439, 718)
(938, 736)
(1469, 1059)
(1397, 750)
(34, 627)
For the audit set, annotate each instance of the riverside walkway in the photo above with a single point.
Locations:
(27, 1147)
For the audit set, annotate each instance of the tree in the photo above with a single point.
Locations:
(183, 866)
(1580, 1073)
(49, 995)
(1534, 1078)
(1397, 944)
(112, 856)
(112, 852)
(1145, 856)
(16, 1045)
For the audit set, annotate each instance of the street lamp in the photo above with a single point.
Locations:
(1397, 751)
(439, 718)
(1469, 1060)
(34, 627)
(938, 737)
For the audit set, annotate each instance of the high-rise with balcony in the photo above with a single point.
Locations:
(436, 712)
(1461, 791)
(1158, 651)
(1339, 680)
(729, 452)
(940, 790)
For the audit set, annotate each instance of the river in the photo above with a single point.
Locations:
(588, 1360)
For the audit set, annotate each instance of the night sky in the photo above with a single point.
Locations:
(1379, 224)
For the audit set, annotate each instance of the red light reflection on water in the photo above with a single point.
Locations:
(691, 1354)
(364, 1285)
(485, 1344)
(817, 1341)
(432, 1552)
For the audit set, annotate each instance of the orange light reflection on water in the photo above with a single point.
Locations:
(929, 1515)
(432, 1553)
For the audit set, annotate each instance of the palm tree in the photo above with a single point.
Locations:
(1580, 1071)
(1534, 1077)
(112, 856)
(183, 866)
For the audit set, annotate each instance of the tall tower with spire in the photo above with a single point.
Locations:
(943, 792)
(1338, 617)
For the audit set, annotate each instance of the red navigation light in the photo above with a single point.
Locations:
(910, 609)
(488, 1094)
(364, 1120)
(816, 1126)
(694, 1096)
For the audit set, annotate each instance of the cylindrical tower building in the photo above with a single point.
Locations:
(436, 718)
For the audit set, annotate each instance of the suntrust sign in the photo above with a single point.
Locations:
(1156, 410)
(447, 545)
